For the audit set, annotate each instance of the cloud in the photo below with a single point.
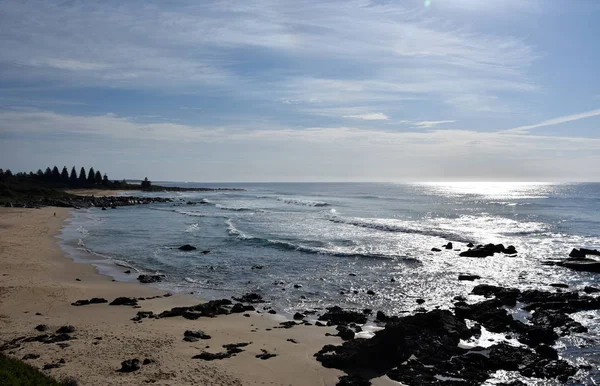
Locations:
(262, 152)
(390, 51)
(369, 117)
(555, 121)
(430, 124)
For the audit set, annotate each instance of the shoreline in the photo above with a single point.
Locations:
(38, 283)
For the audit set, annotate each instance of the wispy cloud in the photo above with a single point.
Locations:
(396, 51)
(369, 117)
(430, 124)
(555, 121)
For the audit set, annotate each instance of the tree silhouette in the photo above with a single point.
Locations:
(39, 174)
(55, 174)
(8, 174)
(82, 178)
(64, 175)
(105, 180)
(98, 177)
(73, 177)
(91, 176)
(48, 174)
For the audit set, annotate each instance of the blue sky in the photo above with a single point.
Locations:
(303, 91)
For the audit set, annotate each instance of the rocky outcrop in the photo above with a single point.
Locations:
(489, 250)
(147, 279)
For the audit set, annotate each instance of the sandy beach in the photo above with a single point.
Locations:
(38, 283)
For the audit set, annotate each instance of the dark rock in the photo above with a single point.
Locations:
(130, 365)
(470, 245)
(250, 298)
(78, 279)
(590, 290)
(367, 311)
(147, 279)
(336, 315)
(187, 248)
(352, 274)
(345, 333)
(435, 250)
(265, 355)
(292, 340)
(41, 327)
(319, 324)
(211, 357)
(30, 356)
(257, 266)
(489, 250)
(468, 277)
(297, 285)
(237, 308)
(584, 264)
(127, 272)
(448, 246)
(299, 316)
(420, 301)
(380, 316)
(85, 302)
(49, 366)
(273, 312)
(190, 339)
(66, 330)
(370, 292)
(209, 309)
(148, 361)
(199, 334)
(352, 380)
(123, 301)
(287, 324)
(559, 285)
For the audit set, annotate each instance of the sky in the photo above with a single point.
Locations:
(352, 90)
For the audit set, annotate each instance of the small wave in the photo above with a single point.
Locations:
(292, 201)
(385, 226)
(240, 209)
(192, 228)
(190, 280)
(83, 231)
(289, 246)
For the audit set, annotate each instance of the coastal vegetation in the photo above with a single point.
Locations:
(16, 372)
(55, 187)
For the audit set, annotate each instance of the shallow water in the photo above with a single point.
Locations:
(339, 240)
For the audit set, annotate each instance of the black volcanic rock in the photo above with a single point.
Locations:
(337, 315)
(147, 279)
(187, 248)
(130, 365)
(124, 301)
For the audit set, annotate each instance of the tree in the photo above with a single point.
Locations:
(40, 174)
(105, 180)
(98, 177)
(64, 175)
(8, 174)
(55, 174)
(73, 177)
(48, 174)
(146, 184)
(82, 178)
(91, 176)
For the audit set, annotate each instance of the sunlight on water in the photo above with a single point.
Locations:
(497, 190)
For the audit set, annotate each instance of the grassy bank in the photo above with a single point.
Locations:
(14, 372)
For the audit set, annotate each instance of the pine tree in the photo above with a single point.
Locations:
(73, 177)
(48, 174)
(64, 175)
(98, 177)
(105, 181)
(91, 176)
(55, 174)
(40, 174)
(82, 178)
(8, 174)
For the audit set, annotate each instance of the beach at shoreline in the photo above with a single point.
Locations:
(38, 283)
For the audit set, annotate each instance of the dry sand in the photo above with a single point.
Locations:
(37, 277)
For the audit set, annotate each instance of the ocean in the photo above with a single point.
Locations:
(307, 246)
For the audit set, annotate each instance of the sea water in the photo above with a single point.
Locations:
(307, 246)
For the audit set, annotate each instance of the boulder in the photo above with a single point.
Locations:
(198, 334)
(435, 250)
(147, 279)
(124, 301)
(583, 264)
(336, 315)
(448, 246)
(250, 298)
(130, 365)
(65, 329)
(187, 248)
